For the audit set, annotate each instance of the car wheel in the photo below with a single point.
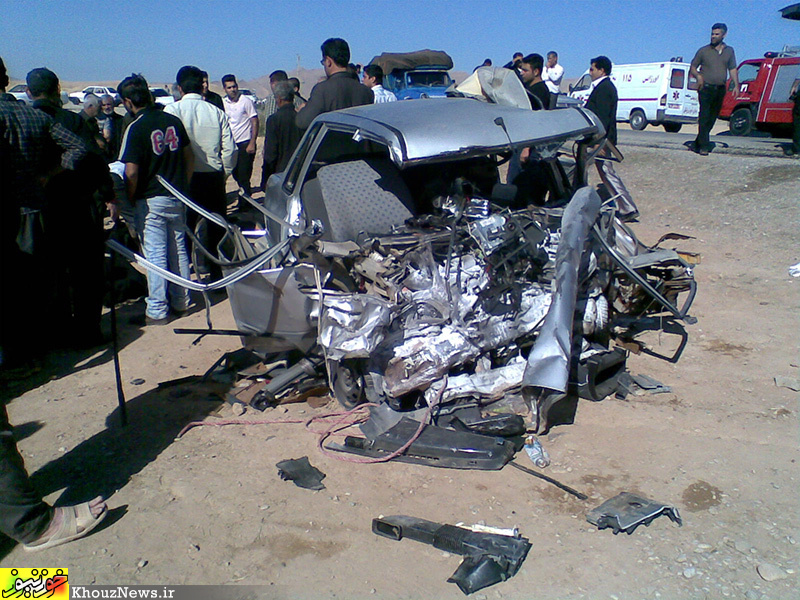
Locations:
(638, 120)
(741, 122)
(348, 383)
(672, 127)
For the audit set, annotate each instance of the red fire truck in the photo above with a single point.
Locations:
(762, 100)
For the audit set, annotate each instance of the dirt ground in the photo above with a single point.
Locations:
(722, 447)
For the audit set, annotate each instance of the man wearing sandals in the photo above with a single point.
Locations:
(24, 516)
(27, 138)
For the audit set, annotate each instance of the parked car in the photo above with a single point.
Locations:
(20, 92)
(161, 96)
(413, 75)
(97, 90)
(250, 94)
(650, 93)
(762, 100)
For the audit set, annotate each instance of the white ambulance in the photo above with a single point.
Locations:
(655, 93)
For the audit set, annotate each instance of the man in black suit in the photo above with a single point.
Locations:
(603, 103)
(603, 99)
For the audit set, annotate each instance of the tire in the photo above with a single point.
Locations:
(741, 122)
(672, 127)
(348, 383)
(638, 120)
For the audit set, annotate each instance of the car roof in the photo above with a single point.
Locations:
(434, 129)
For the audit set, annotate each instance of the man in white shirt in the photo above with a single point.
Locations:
(214, 152)
(552, 75)
(373, 79)
(244, 123)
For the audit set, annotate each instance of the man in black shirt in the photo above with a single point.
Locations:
(339, 90)
(282, 135)
(73, 220)
(156, 143)
(531, 72)
(209, 96)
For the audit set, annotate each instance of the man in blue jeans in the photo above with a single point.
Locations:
(156, 143)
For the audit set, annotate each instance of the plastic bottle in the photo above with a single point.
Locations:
(536, 452)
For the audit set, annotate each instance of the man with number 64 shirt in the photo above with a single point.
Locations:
(156, 143)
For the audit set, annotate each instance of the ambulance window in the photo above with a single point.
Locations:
(692, 82)
(677, 79)
(748, 72)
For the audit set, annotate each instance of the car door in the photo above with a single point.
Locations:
(581, 89)
(681, 98)
(751, 83)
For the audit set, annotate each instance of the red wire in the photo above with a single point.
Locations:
(344, 422)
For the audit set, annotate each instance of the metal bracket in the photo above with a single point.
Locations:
(626, 511)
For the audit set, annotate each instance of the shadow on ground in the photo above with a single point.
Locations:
(104, 463)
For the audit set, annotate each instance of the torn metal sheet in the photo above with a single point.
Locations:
(352, 325)
(270, 308)
(651, 385)
(548, 362)
(487, 386)
(626, 511)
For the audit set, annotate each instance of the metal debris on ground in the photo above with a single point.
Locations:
(638, 385)
(302, 473)
(489, 558)
(626, 511)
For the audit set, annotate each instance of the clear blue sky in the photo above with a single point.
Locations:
(87, 40)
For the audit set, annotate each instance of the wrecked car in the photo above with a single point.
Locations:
(427, 276)
(400, 265)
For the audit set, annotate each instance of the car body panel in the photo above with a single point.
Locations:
(97, 90)
(418, 131)
(249, 94)
(161, 96)
(20, 92)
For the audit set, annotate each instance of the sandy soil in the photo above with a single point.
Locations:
(722, 447)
